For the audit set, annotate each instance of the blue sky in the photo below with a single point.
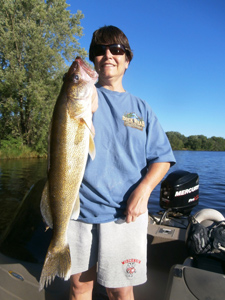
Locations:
(179, 57)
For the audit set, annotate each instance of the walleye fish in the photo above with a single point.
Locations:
(70, 141)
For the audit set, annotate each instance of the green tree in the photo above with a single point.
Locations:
(216, 144)
(202, 142)
(36, 38)
(193, 143)
(176, 140)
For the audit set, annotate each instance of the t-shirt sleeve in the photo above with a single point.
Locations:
(158, 148)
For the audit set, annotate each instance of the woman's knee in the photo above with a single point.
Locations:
(82, 283)
(124, 293)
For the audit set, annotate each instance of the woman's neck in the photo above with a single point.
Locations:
(112, 86)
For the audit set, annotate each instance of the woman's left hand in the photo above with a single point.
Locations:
(137, 203)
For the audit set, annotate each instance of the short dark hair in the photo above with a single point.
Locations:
(109, 35)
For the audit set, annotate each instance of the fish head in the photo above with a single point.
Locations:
(79, 82)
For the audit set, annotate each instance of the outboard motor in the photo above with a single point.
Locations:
(180, 192)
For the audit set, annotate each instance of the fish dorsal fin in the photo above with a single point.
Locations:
(49, 139)
(76, 209)
(45, 206)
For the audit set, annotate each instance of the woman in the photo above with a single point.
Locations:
(133, 154)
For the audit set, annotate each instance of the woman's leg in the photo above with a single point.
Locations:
(124, 293)
(81, 285)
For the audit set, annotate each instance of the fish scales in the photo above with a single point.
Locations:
(70, 142)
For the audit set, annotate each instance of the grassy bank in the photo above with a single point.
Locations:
(14, 154)
(14, 148)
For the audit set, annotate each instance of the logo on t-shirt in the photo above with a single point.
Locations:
(132, 120)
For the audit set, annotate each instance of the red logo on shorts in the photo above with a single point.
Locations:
(130, 266)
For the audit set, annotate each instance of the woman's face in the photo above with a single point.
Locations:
(111, 67)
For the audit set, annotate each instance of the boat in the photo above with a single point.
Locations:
(174, 272)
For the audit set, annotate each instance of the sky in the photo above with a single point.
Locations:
(179, 57)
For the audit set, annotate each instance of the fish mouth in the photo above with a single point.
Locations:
(79, 64)
(86, 68)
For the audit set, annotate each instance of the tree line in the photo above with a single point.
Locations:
(195, 142)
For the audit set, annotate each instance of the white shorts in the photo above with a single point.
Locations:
(119, 250)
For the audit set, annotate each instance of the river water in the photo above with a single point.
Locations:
(17, 177)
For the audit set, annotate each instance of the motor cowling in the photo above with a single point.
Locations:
(180, 192)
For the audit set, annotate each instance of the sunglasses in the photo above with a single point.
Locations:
(115, 49)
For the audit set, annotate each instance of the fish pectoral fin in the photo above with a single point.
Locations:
(92, 150)
(45, 206)
(76, 209)
(93, 133)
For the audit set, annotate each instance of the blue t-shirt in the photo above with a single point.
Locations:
(128, 137)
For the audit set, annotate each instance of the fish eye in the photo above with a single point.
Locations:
(76, 77)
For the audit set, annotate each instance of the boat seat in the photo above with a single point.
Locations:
(208, 263)
(187, 283)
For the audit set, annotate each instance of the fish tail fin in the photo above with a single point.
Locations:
(57, 263)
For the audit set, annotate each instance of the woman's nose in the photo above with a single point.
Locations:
(108, 53)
